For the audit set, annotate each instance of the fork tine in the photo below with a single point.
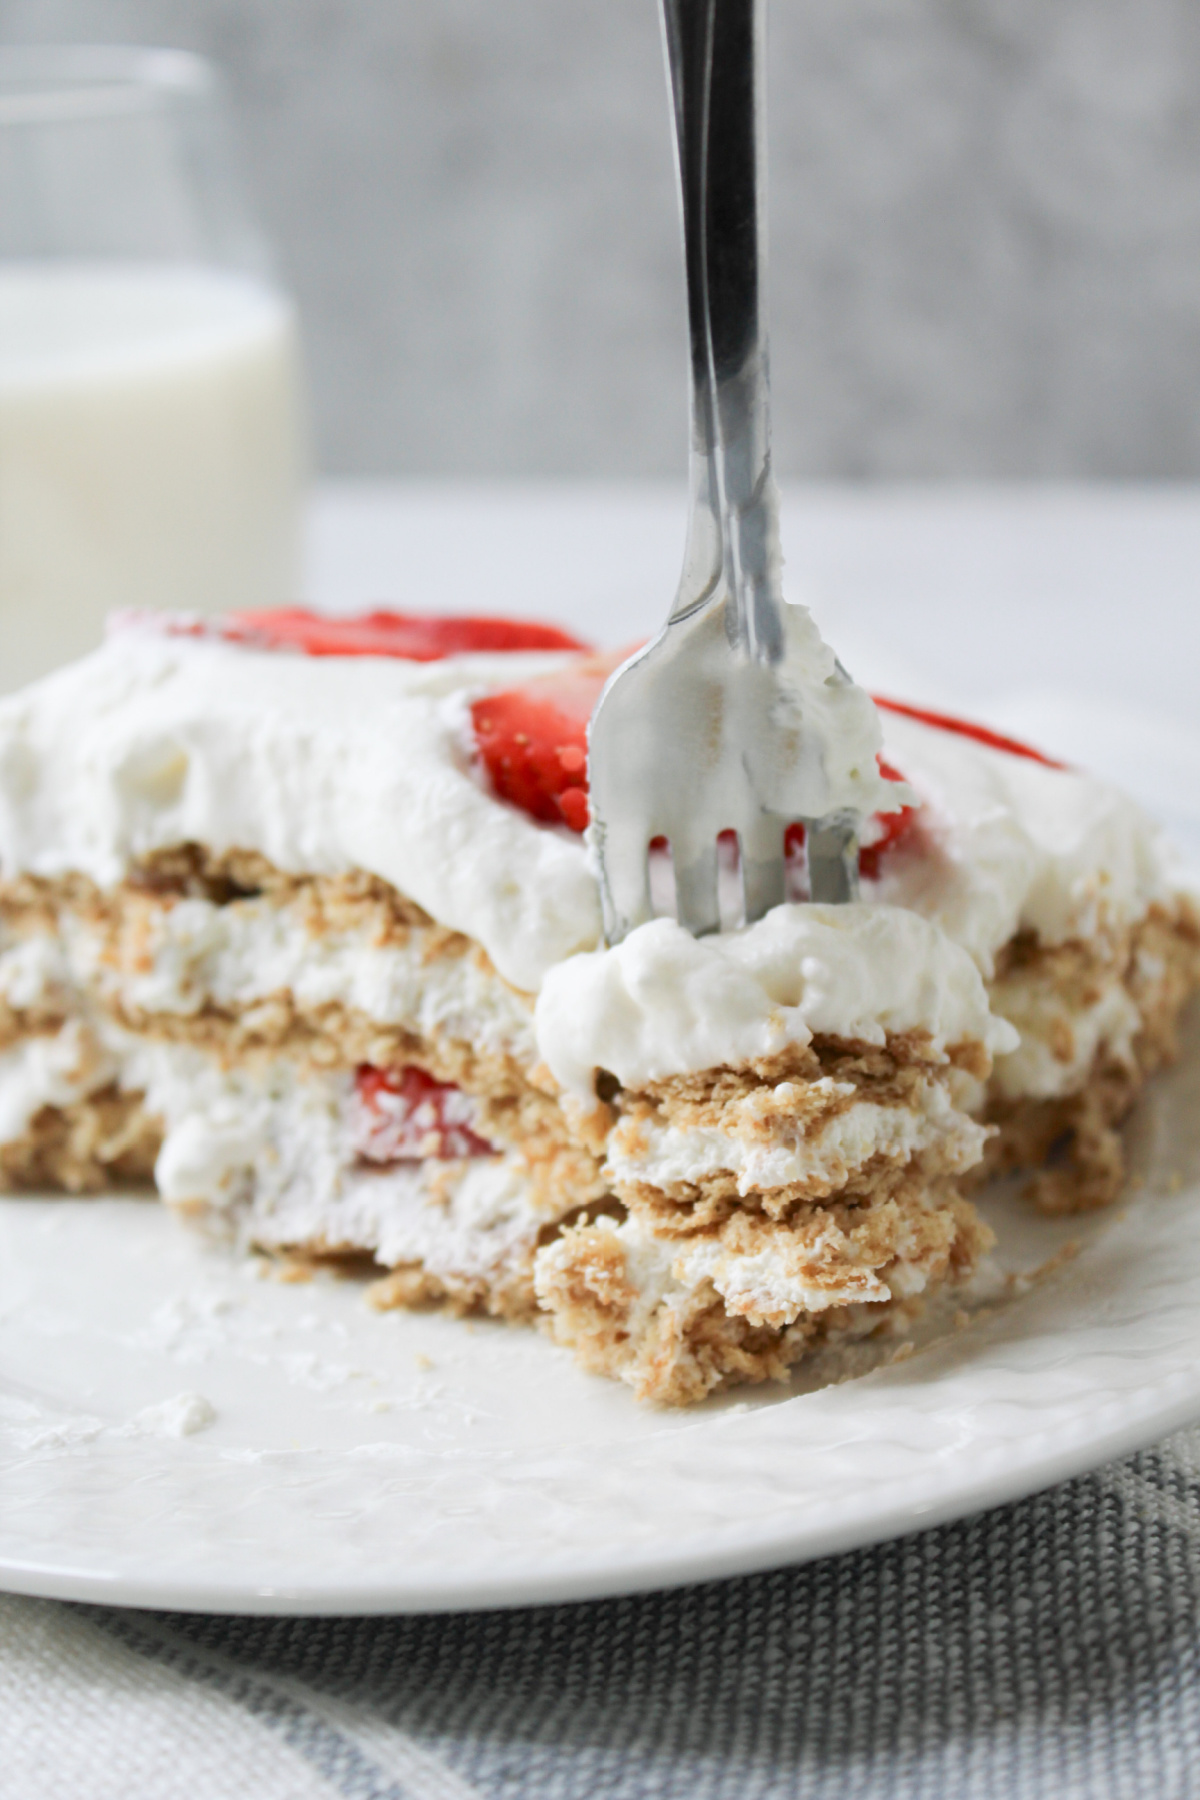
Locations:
(696, 904)
(624, 883)
(833, 860)
(761, 846)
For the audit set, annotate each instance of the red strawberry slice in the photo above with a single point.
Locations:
(415, 637)
(404, 1115)
(533, 740)
(887, 830)
(995, 740)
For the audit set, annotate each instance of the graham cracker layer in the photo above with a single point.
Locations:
(795, 1095)
(123, 919)
(693, 1340)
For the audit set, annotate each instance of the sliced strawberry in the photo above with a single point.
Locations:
(415, 637)
(533, 740)
(982, 734)
(404, 1115)
(886, 829)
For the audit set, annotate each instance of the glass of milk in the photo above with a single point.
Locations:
(152, 436)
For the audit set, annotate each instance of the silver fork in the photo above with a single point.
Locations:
(723, 722)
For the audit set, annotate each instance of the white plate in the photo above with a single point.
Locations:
(360, 1463)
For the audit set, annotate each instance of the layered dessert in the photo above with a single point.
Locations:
(300, 923)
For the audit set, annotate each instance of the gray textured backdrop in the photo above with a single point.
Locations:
(986, 227)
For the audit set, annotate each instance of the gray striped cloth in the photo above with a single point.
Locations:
(1050, 1648)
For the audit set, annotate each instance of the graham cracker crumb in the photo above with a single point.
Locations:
(103, 1141)
(507, 1294)
(292, 1271)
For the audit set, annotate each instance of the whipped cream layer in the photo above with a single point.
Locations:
(1062, 1034)
(1008, 844)
(665, 1003)
(819, 1158)
(322, 765)
(183, 956)
(274, 1152)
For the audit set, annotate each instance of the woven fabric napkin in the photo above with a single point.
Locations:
(1049, 1648)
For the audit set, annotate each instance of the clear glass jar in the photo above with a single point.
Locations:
(153, 446)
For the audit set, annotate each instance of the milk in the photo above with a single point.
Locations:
(151, 450)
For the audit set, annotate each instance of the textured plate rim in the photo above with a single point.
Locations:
(1151, 1412)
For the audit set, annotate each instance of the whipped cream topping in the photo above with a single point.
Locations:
(663, 1002)
(1008, 844)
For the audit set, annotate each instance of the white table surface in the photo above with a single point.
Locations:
(967, 597)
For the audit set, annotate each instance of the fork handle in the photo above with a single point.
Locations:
(714, 54)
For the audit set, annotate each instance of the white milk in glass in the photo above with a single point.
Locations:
(151, 450)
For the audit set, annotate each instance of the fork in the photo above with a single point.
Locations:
(730, 719)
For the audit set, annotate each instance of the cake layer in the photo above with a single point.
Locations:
(317, 1065)
(275, 1149)
(230, 952)
(208, 1017)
